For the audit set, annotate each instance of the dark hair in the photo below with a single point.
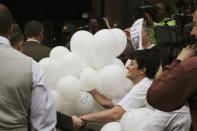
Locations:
(167, 8)
(148, 58)
(33, 28)
(6, 20)
(17, 35)
(100, 20)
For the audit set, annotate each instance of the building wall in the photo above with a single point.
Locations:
(115, 9)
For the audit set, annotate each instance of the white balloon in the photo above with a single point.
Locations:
(71, 64)
(69, 87)
(58, 100)
(128, 62)
(52, 71)
(67, 108)
(81, 44)
(97, 107)
(84, 65)
(58, 52)
(88, 79)
(112, 126)
(122, 40)
(118, 62)
(116, 100)
(129, 85)
(111, 81)
(103, 48)
(84, 103)
(132, 119)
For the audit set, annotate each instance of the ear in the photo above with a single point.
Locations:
(10, 31)
(148, 36)
(19, 46)
(143, 71)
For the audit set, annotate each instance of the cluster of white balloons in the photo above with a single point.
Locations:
(130, 121)
(91, 63)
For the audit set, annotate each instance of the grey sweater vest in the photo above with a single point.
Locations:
(15, 89)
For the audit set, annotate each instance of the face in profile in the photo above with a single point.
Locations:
(133, 71)
(95, 25)
(194, 29)
(145, 38)
(161, 12)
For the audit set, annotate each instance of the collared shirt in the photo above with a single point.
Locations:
(175, 87)
(43, 110)
(151, 46)
(33, 40)
(136, 98)
(158, 120)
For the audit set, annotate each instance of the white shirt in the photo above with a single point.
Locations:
(136, 98)
(43, 110)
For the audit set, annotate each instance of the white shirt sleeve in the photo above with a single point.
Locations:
(43, 110)
(136, 98)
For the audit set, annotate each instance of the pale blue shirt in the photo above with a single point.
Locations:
(43, 110)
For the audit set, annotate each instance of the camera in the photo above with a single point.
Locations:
(139, 12)
(172, 39)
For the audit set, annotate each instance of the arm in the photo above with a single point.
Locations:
(172, 89)
(64, 122)
(43, 110)
(108, 115)
(127, 33)
(68, 123)
(166, 92)
(101, 99)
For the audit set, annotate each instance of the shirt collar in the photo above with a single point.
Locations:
(146, 80)
(33, 40)
(151, 46)
(4, 40)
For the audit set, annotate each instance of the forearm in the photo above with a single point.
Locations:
(101, 99)
(64, 122)
(108, 115)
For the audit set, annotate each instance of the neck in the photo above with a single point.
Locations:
(147, 45)
(138, 79)
(34, 38)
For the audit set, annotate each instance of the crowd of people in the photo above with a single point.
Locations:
(26, 102)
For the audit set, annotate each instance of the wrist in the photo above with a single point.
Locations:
(92, 91)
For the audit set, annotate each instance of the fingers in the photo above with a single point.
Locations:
(77, 122)
(193, 46)
(127, 32)
(187, 52)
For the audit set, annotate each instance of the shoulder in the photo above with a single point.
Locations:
(46, 47)
(20, 54)
(189, 64)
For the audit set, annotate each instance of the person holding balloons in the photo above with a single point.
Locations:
(144, 64)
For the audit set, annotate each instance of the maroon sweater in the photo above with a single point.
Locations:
(176, 86)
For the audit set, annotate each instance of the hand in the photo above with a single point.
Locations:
(107, 22)
(88, 88)
(77, 122)
(187, 52)
(92, 92)
(127, 32)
